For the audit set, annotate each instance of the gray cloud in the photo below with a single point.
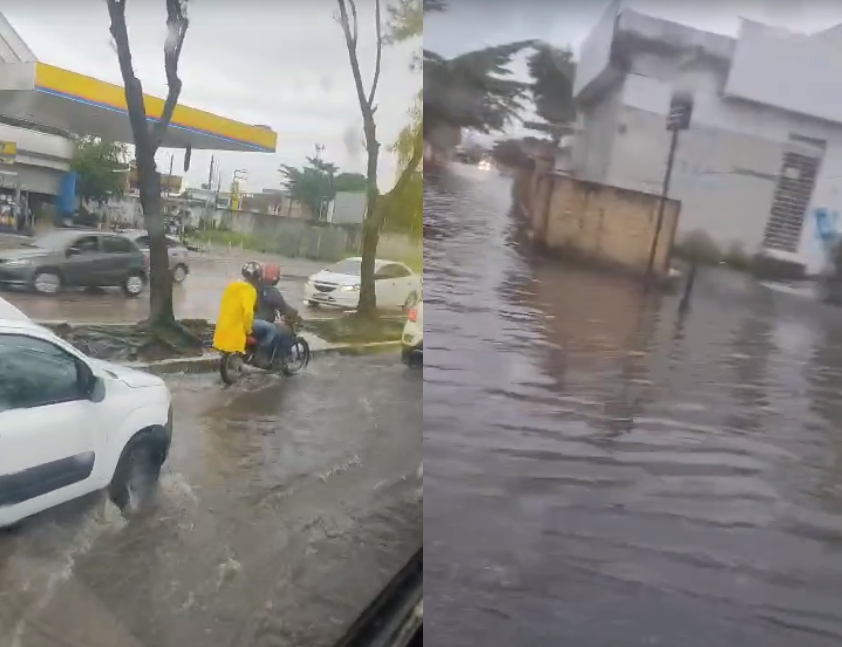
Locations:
(280, 64)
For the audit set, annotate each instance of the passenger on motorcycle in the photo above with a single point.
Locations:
(271, 306)
(236, 314)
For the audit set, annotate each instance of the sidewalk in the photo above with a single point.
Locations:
(291, 268)
(209, 360)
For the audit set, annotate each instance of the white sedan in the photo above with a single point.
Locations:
(338, 286)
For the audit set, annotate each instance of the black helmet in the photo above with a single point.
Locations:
(252, 272)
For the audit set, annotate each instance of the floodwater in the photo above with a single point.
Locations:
(601, 471)
(285, 507)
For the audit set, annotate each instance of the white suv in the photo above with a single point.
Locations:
(71, 425)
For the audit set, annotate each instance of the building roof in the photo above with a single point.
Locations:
(52, 96)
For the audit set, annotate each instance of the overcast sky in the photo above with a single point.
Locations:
(282, 64)
(474, 24)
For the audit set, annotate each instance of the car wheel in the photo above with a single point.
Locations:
(179, 274)
(136, 477)
(134, 284)
(411, 300)
(47, 282)
(311, 304)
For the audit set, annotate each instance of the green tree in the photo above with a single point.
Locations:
(473, 90)
(148, 138)
(510, 153)
(552, 71)
(404, 209)
(317, 183)
(348, 183)
(99, 165)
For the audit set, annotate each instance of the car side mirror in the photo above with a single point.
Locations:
(92, 386)
(73, 251)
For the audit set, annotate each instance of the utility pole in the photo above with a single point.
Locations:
(681, 111)
(210, 173)
(169, 177)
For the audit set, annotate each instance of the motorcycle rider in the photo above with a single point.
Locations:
(236, 314)
(271, 305)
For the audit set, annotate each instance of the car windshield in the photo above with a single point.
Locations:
(348, 266)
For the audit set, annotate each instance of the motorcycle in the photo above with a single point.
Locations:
(233, 365)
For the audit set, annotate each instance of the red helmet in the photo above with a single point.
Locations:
(271, 273)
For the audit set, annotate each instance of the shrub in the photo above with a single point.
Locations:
(698, 247)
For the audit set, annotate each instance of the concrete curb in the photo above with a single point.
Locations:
(209, 362)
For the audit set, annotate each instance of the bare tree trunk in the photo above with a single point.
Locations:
(160, 280)
(147, 140)
(367, 305)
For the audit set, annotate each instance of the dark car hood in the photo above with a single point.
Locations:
(27, 252)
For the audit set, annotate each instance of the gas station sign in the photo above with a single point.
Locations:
(8, 152)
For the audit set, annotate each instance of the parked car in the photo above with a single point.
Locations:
(71, 425)
(412, 340)
(339, 285)
(179, 253)
(69, 258)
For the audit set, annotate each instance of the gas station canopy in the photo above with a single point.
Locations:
(51, 96)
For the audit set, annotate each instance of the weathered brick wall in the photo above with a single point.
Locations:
(602, 224)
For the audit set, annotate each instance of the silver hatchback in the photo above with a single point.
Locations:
(179, 254)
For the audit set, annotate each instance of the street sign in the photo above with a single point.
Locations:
(8, 152)
(681, 110)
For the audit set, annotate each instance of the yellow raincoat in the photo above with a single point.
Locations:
(236, 316)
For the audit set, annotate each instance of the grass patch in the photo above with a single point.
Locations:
(353, 329)
(234, 239)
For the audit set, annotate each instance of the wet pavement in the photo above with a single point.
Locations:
(284, 508)
(623, 476)
(196, 298)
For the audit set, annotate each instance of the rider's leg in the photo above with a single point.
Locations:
(266, 334)
(283, 340)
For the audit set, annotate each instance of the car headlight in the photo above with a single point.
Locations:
(350, 288)
(18, 262)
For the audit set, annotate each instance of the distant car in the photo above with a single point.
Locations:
(338, 286)
(72, 425)
(72, 258)
(178, 251)
(412, 340)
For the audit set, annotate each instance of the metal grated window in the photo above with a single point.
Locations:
(793, 190)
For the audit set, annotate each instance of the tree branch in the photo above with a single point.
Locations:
(406, 175)
(177, 24)
(351, 43)
(356, 25)
(379, 57)
(134, 90)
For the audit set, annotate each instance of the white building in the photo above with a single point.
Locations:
(762, 161)
(43, 153)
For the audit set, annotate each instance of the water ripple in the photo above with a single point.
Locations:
(607, 471)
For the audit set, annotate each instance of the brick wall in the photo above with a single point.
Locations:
(599, 223)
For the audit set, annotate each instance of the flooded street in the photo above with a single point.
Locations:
(601, 471)
(285, 506)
